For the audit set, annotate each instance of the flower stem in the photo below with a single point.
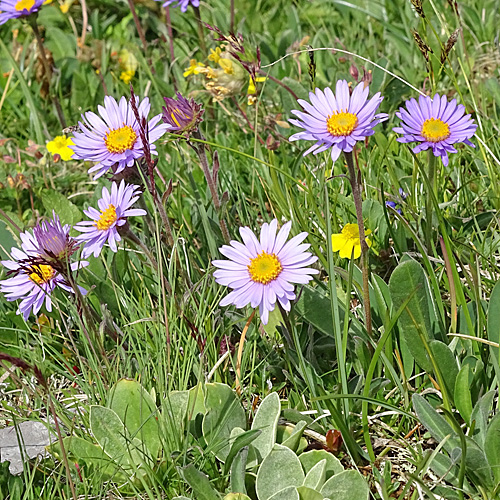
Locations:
(203, 46)
(47, 70)
(428, 200)
(356, 193)
(212, 185)
(231, 25)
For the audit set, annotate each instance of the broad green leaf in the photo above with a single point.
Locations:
(280, 469)
(196, 401)
(111, 434)
(444, 467)
(199, 482)
(493, 321)
(266, 420)
(462, 397)
(137, 410)
(7, 241)
(236, 496)
(313, 457)
(480, 417)
(239, 439)
(316, 477)
(306, 493)
(409, 279)
(492, 446)
(447, 364)
(224, 413)
(238, 471)
(68, 213)
(436, 424)
(175, 408)
(181, 498)
(290, 493)
(348, 485)
(293, 441)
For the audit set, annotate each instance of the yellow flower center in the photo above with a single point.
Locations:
(435, 130)
(107, 218)
(342, 123)
(265, 268)
(41, 273)
(121, 139)
(24, 5)
(351, 232)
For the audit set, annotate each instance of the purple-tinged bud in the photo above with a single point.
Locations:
(182, 115)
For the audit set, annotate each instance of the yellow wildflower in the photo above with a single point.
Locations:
(193, 69)
(215, 55)
(226, 65)
(347, 242)
(60, 146)
(251, 84)
(127, 76)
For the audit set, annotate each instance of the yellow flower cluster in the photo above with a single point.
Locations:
(227, 78)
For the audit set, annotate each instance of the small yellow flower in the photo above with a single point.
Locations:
(348, 242)
(60, 146)
(251, 84)
(65, 6)
(215, 55)
(226, 65)
(193, 69)
(127, 76)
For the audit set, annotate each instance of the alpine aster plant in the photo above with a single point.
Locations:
(40, 266)
(337, 121)
(12, 9)
(114, 209)
(113, 139)
(435, 124)
(261, 272)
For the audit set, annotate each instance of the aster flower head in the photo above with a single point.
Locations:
(54, 245)
(114, 209)
(182, 115)
(31, 277)
(12, 9)
(261, 272)
(347, 242)
(435, 124)
(113, 139)
(337, 121)
(183, 4)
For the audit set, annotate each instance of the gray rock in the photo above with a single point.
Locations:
(33, 437)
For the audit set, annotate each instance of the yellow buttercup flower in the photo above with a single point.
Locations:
(60, 146)
(194, 68)
(347, 242)
(215, 55)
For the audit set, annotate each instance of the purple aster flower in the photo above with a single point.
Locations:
(182, 115)
(261, 272)
(183, 4)
(436, 124)
(12, 9)
(33, 279)
(114, 209)
(114, 139)
(54, 244)
(337, 121)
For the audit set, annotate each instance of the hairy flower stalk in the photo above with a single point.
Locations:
(47, 69)
(210, 176)
(358, 203)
